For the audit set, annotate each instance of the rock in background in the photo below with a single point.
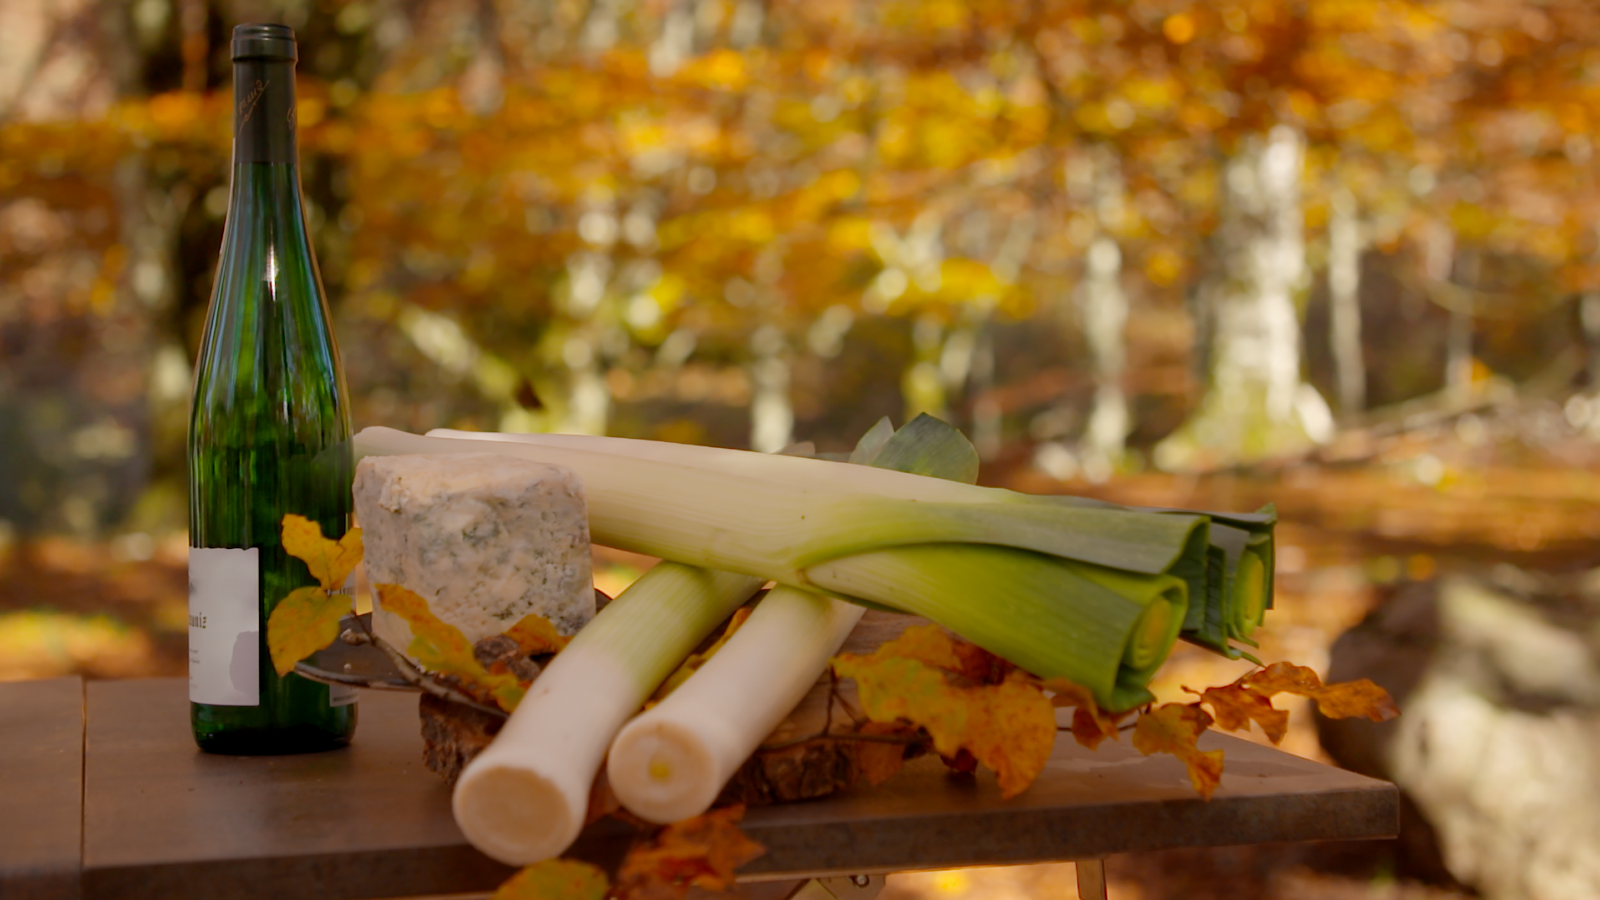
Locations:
(1498, 746)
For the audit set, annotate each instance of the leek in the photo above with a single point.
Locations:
(672, 760)
(524, 798)
(782, 517)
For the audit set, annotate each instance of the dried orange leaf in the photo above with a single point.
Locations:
(330, 561)
(536, 636)
(303, 623)
(1090, 723)
(1236, 706)
(1336, 701)
(440, 647)
(700, 852)
(696, 660)
(878, 761)
(1175, 728)
(555, 879)
(1009, 727)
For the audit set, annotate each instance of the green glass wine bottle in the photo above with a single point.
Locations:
(268, 432)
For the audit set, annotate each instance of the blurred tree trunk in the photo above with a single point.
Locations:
(771, 410)
(1105, 319)
(1589, 316)
(1256, 404)
(1346, 244)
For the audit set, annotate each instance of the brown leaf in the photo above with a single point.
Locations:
(1090, 723)
(1341, 700)
(330, 561)
(1236, 706)
(878, 761)
(555, 879)
(700, 852)
(1176, 728)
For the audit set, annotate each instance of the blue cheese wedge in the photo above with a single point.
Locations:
(486, 539)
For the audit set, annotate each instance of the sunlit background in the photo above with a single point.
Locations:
(1340, 255)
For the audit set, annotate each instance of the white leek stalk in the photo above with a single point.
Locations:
(524, 798)
(672, 760)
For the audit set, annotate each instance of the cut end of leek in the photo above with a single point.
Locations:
(514, 815)
(1152, 635)
(1251, 591)
(664, 769)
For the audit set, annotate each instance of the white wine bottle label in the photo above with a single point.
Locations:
(224, 626)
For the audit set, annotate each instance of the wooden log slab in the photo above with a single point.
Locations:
(807, 756)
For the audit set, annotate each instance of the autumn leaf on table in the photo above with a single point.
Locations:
(1176, 728)
(923, 678)
(701, 852)
(440, 647)
(308, 618)
(1090, 723)
(555, 879)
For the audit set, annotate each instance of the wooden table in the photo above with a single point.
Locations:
(103, 794)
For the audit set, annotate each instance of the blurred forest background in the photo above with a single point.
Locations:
(1339, 254)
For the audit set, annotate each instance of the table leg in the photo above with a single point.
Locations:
(1091, 879)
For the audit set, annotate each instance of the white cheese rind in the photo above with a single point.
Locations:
(486, 539)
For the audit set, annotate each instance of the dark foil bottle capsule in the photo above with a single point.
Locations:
(268, 432)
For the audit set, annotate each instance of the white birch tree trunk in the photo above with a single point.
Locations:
(771, 409)
(1346, 242)
(1257, 404)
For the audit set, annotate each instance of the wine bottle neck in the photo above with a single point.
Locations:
(263, 111)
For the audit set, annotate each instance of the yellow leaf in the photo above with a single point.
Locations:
(924, 679)
(303, 623)
(536, 636)
(440, 647)
(696, 660)
(1176, 728)
(555, 879)
(330, 561)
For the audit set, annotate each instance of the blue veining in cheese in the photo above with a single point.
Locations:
(486, 539)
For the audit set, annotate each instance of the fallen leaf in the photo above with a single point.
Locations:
(1236, 706)
(1341, 700)
(1009, 727)
(555, 879)
(537, 636)
(303, 623)
(1090, 724)
(440, 647)
(701, 852)
(878, 761)
(696, 660)
(330, 561)
(1176, 728)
